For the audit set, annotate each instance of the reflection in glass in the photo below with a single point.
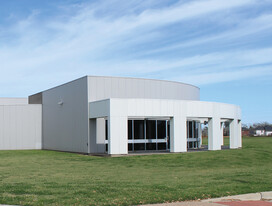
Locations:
(130, 147)
(150, 129)
(106, 129)
(196, 130)
(139, 146)
(161, 146)
(150, 146)
(190, 129)
(168, 134)
(129, 129)
(161, 125)
(138, 129)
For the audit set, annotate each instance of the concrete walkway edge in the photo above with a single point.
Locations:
(267, 196)
(259, 196)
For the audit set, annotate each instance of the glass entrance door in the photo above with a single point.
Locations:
(148, 135)
(193, 140)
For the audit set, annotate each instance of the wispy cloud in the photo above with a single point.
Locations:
(193, 41)
(244, 28)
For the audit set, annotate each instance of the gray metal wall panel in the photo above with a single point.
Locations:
(13, 101)
(20, 127)
(97, 135)
(93, 145)
(35, 98)
(118, 87)
(65, 127)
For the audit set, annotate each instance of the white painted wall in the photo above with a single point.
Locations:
(268, 133)
(118, 141)
(20, 127)
(260, 132)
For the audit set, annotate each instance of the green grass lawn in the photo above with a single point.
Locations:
(205, 141)
(57, 178)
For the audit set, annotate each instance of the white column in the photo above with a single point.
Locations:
(234, 134)
(100, 135)
(214, 134)
(239, 133)
(117, 138)
(222, 133)
(178, 137)
(199, 134)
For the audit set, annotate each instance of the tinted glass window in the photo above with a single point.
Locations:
(129, 129)
(150, 129)
(150, 146)
(138, 129)
(139, 146)
(161, 146)
(161, 125)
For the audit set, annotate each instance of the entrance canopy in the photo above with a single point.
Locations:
(178, 112)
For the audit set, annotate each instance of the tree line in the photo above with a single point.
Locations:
(256, 126)
(250, 128)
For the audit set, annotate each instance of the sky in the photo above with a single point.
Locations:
(223, 47)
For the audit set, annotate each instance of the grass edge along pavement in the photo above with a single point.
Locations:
(37, 177)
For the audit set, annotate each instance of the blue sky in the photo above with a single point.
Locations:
(223, 47)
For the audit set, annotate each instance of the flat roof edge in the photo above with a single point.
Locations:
(210, 102)
(59, 85)
(117, 77)
(145, 79)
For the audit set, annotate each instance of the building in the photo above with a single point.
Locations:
(116, 115)
(20, 124)
(268, 133)
(263, 131)
(245, 132)
(260, 132)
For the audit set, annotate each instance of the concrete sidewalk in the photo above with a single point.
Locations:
(252, 199)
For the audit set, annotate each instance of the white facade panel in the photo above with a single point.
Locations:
(118, 141)
(20, 127)
(153, 107)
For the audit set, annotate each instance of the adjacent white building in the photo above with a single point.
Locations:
(117, 115)
(20, 124)
(267, 131)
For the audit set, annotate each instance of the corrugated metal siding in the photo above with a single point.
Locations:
(20, 127)
(65, 127)
(118, 87)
